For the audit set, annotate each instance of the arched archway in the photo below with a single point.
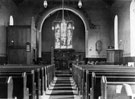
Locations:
(51, 11)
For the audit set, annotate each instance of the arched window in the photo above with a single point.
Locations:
(116, 31)
(132, 28)
(11, 20)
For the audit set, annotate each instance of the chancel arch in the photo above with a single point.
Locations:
(48, 13)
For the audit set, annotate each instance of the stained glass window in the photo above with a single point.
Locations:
(63, 34)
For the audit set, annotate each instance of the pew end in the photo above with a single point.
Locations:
(117, 90)
(6, 86)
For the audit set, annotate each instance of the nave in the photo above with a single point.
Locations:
(40, 39)
(80, 82)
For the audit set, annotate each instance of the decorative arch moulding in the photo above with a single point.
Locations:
(46, 14)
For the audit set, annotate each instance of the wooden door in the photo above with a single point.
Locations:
(17, 56)
(17, 38)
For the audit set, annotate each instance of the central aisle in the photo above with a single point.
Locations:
(63, 86)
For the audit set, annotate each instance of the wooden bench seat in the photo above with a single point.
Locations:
(32, 79)
(39, 70)
(19, 82)
(96, 83)
(29, 81)
(117, 87)
(6, 87)
(90, 72)
(38, 77)
(78, 75)
(92, 81)
(34, 67)
(49, 75)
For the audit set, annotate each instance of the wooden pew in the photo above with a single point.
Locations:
(116, 77)
(49, 75)
(19, 81)
(31, 84)
(46, 74)
(105, 72)
(89, 71)
(6, 87)
(117, 87)
(43, 73)
(79, 77)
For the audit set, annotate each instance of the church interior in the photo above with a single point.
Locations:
(67, 49)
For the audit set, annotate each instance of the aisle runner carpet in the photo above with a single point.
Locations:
(63, 86)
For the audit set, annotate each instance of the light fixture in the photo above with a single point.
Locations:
(12, 43)
(63, 21)
(80, 4)
(28, 47)
(45, 3)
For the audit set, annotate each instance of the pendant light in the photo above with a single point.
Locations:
(45, 3)
(80, 4)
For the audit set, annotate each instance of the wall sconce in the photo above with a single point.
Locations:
(45, 3)
(80, 4)
(28, 47)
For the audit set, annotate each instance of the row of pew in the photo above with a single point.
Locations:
(25, 81)
(105, 81)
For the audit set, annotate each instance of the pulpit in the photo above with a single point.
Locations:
(114, 56)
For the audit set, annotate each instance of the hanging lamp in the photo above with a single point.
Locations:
(80, 4)
(45, 3)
